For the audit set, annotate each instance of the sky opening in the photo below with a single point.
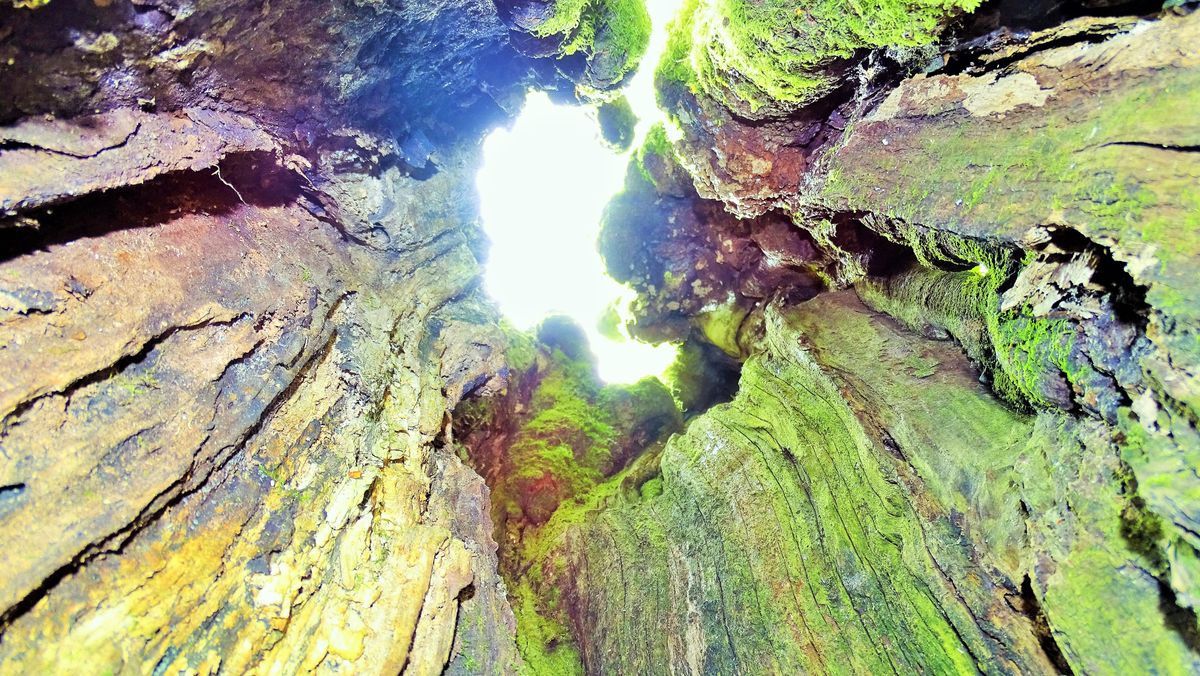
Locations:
(543, 186)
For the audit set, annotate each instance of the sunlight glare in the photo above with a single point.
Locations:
(543, 187)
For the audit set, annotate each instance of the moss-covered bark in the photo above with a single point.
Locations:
(999, 481)
(551, 443)
(607, 36)
(765, 58)
(1082, 155)
(862, 505)
(241, 293)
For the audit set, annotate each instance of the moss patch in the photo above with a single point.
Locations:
(617, 123)
(611, 34)
(1031, 360)
(753, 54)
(558, 441)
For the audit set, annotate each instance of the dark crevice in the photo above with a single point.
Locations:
(1140, 8)
(862, 232)
(126, 362)
(313, 205)
(1142, 530)
(967, 57)
(22, 145)
(1128, 297)
(1157, 146)
(243, 179)
(9, 495)
(704, 376)
(1027, 603)
(1014, 16)
(467, 593)
(423, 173)
(1009, 23)
(883, 256)
(1183, 621)
(1024, 16)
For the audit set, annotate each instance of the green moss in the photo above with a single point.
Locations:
(564, 452)
(675, 67)
(1163, 453)
(997, 181)
(565, 20)
(1026, 347)
(921, 367)
(749, 53)
(565, 440)
(562, 401)
(610, 324)
(522, 351)
(652, 488)
(545, 644)
(701, 376)
(1021, 352)
(722, 325)
(564, 447)
(136, 384)
(964, 302)
(573, 512)
(617, 122)
(956, 302)
(657, 142)
(741, 495)
(846, 512)
(543, 638)
(656, 145)
(615, 32)
(271, 475)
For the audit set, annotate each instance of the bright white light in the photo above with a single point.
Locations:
(542, 188)
(640, 89)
